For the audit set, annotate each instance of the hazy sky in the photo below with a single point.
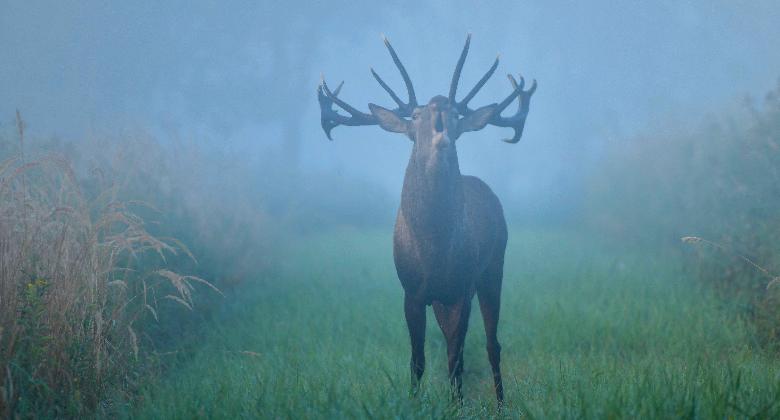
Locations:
(233, 74)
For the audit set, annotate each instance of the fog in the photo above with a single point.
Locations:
(180, 239)
(241, 78)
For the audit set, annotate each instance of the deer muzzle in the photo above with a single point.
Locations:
(441, 139)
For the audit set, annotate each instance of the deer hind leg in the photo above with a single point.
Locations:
(415, 321)
(453, 321)
(489, 293)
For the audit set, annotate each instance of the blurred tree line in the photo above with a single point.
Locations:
(719, 182)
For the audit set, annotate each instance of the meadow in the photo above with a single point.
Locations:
(589, 329)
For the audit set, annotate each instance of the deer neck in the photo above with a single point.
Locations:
(432, 196)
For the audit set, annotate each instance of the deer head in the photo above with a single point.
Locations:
(438, 124)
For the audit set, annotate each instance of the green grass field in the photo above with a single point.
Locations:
(587, 331)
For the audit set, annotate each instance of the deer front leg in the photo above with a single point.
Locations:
(415, 321)
(453, 321)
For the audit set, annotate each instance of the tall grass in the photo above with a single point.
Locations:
(80, 275)
(89, 267)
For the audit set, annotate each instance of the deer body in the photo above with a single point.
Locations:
(447, 265)
(449, 242)
(450, 233)
(449, 229)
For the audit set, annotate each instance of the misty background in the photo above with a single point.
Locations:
(171, 210)
(239, 81)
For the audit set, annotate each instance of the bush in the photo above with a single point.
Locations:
(79, 276)
(720, 182)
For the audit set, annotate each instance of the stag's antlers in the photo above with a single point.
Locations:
(331, 119)
(516, 121)
(404, 109)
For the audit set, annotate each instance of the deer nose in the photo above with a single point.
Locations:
(438, 123)
(441, 140)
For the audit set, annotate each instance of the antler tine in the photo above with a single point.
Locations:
(338, 89)
(458, 69)
(330, 119)
(409, 88)
(401, 104)
(517, 90)
(326, 112)
(345, 106)
(463, 105)
(516, 121)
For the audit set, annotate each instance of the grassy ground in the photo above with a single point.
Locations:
(587, 331)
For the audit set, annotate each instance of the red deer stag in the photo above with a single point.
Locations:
(450, 233)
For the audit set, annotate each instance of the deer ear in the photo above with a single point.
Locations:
(389, 120)
(477, 120)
